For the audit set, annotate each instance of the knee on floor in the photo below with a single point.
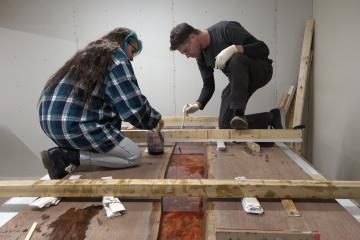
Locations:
(135, 158)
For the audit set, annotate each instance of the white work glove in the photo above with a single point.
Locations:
(190, 108)
(224, 56)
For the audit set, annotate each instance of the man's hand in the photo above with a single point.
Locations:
(191, 108)
(160, 125)
(224, 56)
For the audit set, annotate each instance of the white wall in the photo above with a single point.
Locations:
(336, 99)
(38, 36)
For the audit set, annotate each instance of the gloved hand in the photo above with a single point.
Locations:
(160, 125)
(190, 108)
(224, 56)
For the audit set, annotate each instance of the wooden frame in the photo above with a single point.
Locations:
(225, 135)
(211, 188)
(178, 119)
(171, 121)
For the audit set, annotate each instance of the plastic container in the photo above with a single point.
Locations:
(155, 142)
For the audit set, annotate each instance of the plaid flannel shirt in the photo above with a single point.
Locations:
(96, 124)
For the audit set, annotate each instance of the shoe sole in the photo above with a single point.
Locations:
(238, 124)
(46, 162)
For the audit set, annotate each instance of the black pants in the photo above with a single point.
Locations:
(246, 75)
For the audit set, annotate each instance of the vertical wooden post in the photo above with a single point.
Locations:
(304, 71)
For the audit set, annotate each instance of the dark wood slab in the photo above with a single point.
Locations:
(85, 218)
(329, 218)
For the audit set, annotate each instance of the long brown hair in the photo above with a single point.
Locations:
(88, 66)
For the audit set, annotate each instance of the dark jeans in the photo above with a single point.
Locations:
(246, 75)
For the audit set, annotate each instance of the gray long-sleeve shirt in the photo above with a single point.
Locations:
(222, 35)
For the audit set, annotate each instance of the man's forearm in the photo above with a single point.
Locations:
(205, 96)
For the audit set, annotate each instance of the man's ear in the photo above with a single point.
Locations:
(192, 37)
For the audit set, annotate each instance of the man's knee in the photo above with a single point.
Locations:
(238, 60)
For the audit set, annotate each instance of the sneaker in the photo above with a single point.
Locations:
(278, 118)
(56, 160)
(238, 123)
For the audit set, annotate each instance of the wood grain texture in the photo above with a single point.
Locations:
(210, 228)
(88, 219)
(328, 217)
(210, 188)
(267, 235)
(206, 135)
(305, 63)
(289, 100)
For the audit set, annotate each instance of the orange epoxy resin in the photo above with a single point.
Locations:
(182, 217)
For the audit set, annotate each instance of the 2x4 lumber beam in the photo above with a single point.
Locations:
(253, 147)
(178, 119)
(225, 135)
(305, 64)
(154, 188)
(170, 120)
(268, 235)
(289, 99)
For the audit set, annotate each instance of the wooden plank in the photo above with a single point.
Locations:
(282, 101)
(226, 135)
(267, 235)
(178, 119)
(253, 147)
(210, 228)
(289, 99)
(290, 208)
(290, 116)
(155, 216)
(211, 188)
(303, 72)
(85, 218)
(218, 134)
(300, 147)
(175, 122)
(31, 231)
(266, 135)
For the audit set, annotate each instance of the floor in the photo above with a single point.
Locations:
(17, 160)
(9, 210)
(2, 200)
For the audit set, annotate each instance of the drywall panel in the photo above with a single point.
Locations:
(336, 86)
(38, 36)
(17, 160)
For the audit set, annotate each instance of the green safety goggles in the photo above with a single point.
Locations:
(132, 40)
